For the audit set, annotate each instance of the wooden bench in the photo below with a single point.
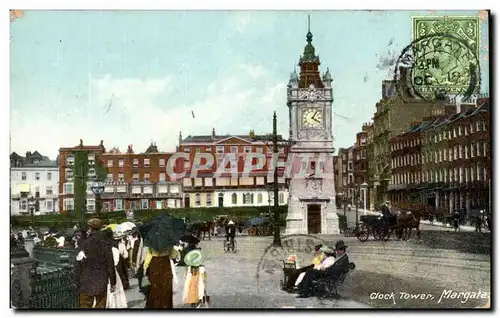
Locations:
(328, 286)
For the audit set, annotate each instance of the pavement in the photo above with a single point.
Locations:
(440, 262)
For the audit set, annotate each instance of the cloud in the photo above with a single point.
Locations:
(147, 109)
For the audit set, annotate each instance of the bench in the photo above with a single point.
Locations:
(328, 286)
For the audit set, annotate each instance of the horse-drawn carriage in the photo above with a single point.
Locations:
(260, 227)
(400, 223)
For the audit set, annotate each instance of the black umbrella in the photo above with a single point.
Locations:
(162, 232)
(190, 239)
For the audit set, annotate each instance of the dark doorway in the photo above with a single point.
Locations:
(431, 202)
(314, 219)
(221, 200)
(186, 201)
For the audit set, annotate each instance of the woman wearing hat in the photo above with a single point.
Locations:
(196, 278)
(296, 276)
(116, 298)
(335, 267)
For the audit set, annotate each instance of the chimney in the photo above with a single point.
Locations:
(180, 137)
(213, 133)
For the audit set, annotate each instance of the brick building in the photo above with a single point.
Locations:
(204, 190)
(394, 114)
(444, 164)
(134, 180)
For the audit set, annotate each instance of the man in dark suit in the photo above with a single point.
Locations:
(94, 268)
(335, 271)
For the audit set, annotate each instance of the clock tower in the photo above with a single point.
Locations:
(311, 206)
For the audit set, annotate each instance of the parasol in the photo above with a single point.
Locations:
(112, 227)
(126, 226)
(162, 232)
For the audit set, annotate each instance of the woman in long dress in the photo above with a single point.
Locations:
(195, 284)
(117, 298)
(158, 267)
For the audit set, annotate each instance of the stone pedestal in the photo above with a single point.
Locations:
(296, 221)
(21, 270)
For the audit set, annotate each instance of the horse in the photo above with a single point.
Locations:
(202, 227)
(406, 221)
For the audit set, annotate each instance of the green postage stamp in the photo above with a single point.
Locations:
(446, 50)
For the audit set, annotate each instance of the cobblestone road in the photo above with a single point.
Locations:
(441, 261)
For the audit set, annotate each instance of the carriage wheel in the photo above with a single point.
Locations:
(384, 234)
(362, 233)
(226, 246)
(233, 247)
(375, 233)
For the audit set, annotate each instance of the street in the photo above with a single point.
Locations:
(441, 261)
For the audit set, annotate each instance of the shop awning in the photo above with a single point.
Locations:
(23, 188)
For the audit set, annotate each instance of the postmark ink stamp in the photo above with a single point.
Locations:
(442, 60)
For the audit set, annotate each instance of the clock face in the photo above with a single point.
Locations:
(312, 118)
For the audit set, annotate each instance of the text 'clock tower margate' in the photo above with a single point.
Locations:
(311, 208)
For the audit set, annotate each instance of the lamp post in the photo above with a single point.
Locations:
(97, 189)
(355, 198)
(364, 186)
(31, 206)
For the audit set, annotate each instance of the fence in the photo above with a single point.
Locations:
(52, 282)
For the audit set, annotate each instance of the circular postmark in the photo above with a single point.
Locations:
(438, 66)
(270, 269)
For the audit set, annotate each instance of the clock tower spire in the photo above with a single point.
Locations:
(309, 62)
(311, 206)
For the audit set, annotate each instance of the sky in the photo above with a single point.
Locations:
(136, 77)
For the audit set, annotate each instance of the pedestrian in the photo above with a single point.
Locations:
(123, 261)
(336, 267)
(94, 268)
(116, 298)
(196, 278)
(158, 271)
(136, 250)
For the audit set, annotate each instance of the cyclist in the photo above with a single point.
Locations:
(230, 231)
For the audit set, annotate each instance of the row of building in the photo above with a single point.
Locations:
(139, 180)
(417, 154)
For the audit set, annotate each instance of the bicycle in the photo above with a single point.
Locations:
(230, 245)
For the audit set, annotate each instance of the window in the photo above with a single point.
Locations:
(198, 149)
(478, 125)
(120, 163)
(135, 177)
(37, 175)
(259, 198)
(68, 204)
(460, 130)
(162, 163)
(49, 176)
(258, 149)
(23, 175)
(159, 204)
(209, 199)
(162, 176)
(460, 151)
(186, 149)
(281, 198)
(121, 178)
(483, 124)
(110, 163)
(234, 149)
(455, 132)
(186, 164)
(471, 127)
(145, 204)
(455, 152)
(68, 188)
(220, 149)
(484, 148)
(247, 198)
(118, 204)
(109, 177)
(234, 198)
(248, 149)
(146, 162)
(466, 130)
(70, 160)
(49, 206)
(198, 199)
(466, 151)
(121, 189)
(48, 190)
(146, 177)
(135, 163)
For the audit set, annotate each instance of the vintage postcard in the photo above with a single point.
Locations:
(250, 159)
